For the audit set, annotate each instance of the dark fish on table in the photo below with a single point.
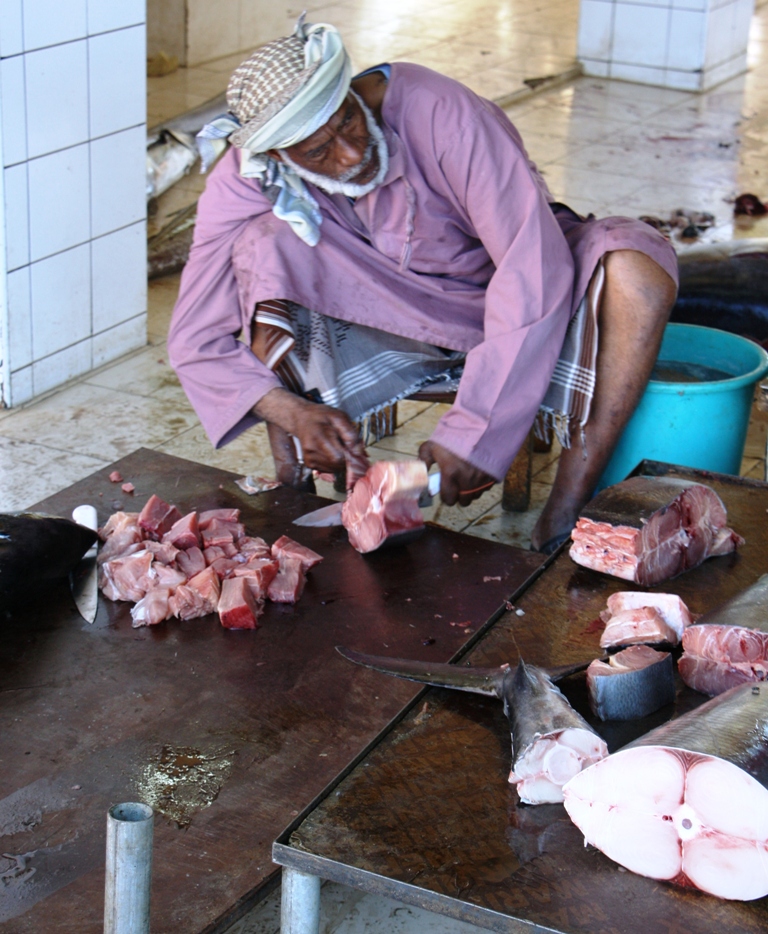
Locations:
(37, 550)
(649, 529)
(631, 684)
(728, 645)
(550, 741)
(687, 802)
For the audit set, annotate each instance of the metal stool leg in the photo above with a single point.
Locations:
(300, 903)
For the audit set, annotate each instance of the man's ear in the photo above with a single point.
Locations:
(275, 154)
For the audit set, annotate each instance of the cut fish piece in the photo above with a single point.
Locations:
(728, 645)
(632, 627)
(288, 585)
(198, 597)
(687, 802)
(649, 529)
(383, 507)
(238, 608)
(157, 517)
(152, 609)
(669, 606)
(631, 684)
(286, 547)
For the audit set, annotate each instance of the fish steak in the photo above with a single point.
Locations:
(631, 684)
(728, 645)
(633, 617)
(649, 529)
(687, 802)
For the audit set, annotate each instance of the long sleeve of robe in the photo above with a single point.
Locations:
(458, 247)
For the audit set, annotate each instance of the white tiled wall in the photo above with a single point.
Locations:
(686, 44)
(73, 208)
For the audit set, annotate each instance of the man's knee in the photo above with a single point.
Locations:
(638, 276)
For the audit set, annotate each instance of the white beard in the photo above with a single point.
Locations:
(341, 184)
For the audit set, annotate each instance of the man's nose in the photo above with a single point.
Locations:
(349, 152)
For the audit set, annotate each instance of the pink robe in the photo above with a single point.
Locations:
(457, 247)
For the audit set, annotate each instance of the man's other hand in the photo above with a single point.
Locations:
(460, 481)
(328, 437)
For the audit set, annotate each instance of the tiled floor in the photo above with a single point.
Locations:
(604, 147)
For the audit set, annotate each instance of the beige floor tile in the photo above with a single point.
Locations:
(101, 423)
(247, 454)
(161, 297)
(30, 472)
(145, 374)
(413, 432)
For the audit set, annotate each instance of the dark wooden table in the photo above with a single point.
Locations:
(227, 734)
(429, 818)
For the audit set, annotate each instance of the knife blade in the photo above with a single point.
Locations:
(83, 580)
(331, 515)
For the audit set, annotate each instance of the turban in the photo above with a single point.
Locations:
(281, 95)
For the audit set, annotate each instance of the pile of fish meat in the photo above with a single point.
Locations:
(728, 645)
(171, 565)
(383, 507)
(649, 529)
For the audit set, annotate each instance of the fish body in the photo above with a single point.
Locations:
(631, 684)
(687, 802)
(37, 550)
(550, 741)
(649, 529)
(728, 645)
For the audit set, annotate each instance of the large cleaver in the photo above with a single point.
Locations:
(83, 580)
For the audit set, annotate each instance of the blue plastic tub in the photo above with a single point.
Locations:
(698, 424)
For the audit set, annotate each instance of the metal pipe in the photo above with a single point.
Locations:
(129, 869)
(299, 903)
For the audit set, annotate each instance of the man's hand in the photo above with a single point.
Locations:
(460, 481)
(328, 437)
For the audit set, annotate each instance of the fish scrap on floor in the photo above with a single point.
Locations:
(551, 742)
(633, 617)
(729, 645)
(37, 550)
(631, 684)
(687, 802)
(171, 565)
(649, 529)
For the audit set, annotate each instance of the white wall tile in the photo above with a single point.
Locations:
(691, 4)
(104, 15)
(687, 39)
(59, 201)
(61, 303)
(118, 86)
(11, 34)
(111, 344)
(595, 68)
(57, 98)
(640, 35)
(118, 180)
(722, 72)
(683, 80)
(49, 22)
(19, 319)
(60, 367)
(637, 73)
(16, 216)
(13, 109)
(595, 30)
(119, 271)
(21, 386)
(719, 36)
(742, 20)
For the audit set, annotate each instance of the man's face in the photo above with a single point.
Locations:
(342, 149)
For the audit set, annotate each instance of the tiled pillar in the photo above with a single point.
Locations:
(686, 44)
(73, 147)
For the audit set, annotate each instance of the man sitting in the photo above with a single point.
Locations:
(371, 236)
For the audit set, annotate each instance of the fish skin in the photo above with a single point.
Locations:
(36, 550)
(632, 502)
(631, 694)
(748, 609)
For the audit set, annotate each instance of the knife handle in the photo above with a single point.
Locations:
(86, 515)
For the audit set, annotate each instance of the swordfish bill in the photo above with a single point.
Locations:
(550, 741)
(687, 802)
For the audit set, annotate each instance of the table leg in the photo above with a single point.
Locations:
(300, 903)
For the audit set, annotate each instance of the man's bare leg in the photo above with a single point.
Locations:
(637, 299)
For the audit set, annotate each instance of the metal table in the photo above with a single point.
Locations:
(227, 734)
(428, 817)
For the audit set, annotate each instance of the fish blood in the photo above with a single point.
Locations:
(688, 802)
(383, 507)
(728, 645)
(649, 529)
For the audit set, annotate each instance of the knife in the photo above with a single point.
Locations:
(83, 580)
(331, 515)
